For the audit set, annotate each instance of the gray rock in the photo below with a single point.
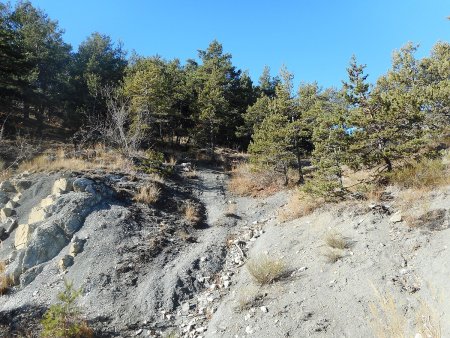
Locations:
(65, 262)
(5, 213)
(3, 198)
(6, 186)
(45, 243)
(28, 276)
(22, 185)
(83, 184)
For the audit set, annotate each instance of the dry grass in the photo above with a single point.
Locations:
(427, 174)
(336, 241)
(248, 298)
(299, 205)
(99, 158)
(265, 270)
(148, 194)
(333, 255)
(247, 182)
(388, 321)
(6, 281)
(192, 213)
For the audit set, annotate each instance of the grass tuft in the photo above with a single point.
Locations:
(336, 241)
(148, 194)
(265, 270)
(192, 213)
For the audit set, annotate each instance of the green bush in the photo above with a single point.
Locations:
(153, 163)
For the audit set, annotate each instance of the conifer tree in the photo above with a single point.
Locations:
(270, 146)
(389, 126)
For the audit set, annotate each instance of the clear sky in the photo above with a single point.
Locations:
(313, 38)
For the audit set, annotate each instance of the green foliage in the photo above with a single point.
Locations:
(330, 146)
(153, 163)
(270, 145)
(62, 320)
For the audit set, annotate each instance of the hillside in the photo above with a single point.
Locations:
(153, 269)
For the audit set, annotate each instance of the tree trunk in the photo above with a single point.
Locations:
(388, 163)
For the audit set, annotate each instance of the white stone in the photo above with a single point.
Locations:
(264, 309)
(62, 186)
(11, 205)
(397, 217)
(37, 214)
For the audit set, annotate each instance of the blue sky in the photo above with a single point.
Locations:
(313, 38)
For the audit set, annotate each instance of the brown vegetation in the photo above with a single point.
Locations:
(148, 194)
(299, 205)
(265, 270)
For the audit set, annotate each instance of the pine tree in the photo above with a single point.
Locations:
(331, 141)
(271, 143)
(389, 126)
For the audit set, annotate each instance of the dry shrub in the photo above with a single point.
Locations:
(265, 270)
(299, 205)
(388, 321)
(245, 181)
(336, 241)
(148, 194)
(333, 255)
(192, 174)
(6, 281)
(192, 213)
(59, 159)
(426, 174)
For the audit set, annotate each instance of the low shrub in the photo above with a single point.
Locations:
(336, 241)
(148, 194)
(63, 320)
(265, 270)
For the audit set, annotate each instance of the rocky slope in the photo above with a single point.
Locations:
(147, 271)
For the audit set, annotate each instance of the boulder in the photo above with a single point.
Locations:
(23, 235)
(83, 185)
(5, 213)
(22, 185)
(65, 262)
(45, 243)
(7, 186)
(11, 205)
(28, 276)
(37, 214)
(62, 186)
(49, 200)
